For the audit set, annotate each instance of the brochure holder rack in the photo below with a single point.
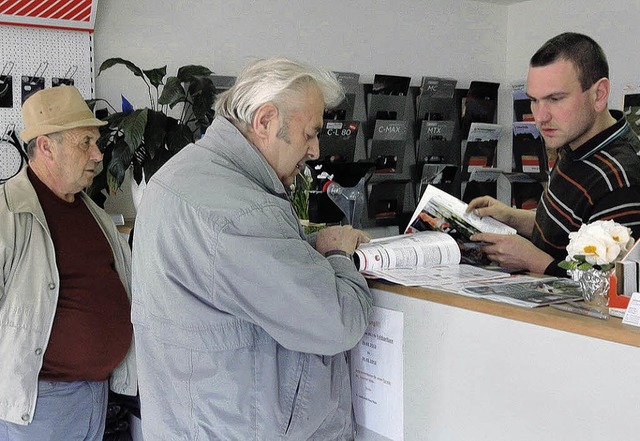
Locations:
(386, 202)
(338, 140)
(388, 146)
(522, 189)
(435, 143)
(529, 153)
(384, 107)
(519, 190)
(442, 176)
(344, 111)
(478, 155)
(480, 104)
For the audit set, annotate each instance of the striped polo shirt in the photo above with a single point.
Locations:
(600, 180)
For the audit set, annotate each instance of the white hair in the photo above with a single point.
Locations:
(280, 81)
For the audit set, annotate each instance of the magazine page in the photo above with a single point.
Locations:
(426, 248)
(438, 276)
(526, 291)
(438, 210)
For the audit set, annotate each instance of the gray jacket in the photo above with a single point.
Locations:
(241, 326)
(29, 286)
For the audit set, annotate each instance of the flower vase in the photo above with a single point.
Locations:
(594, 284)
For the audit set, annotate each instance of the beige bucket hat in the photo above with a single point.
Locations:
(55, 109)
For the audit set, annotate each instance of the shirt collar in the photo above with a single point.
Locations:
(602, 139)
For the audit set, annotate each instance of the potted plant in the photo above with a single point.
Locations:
(145, 139)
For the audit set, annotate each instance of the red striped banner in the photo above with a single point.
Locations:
(65, 14)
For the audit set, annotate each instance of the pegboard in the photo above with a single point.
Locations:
(50, 54)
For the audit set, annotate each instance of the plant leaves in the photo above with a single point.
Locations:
(568, 265)
(186, 74)
(133, 126)
(156, 75)
(154, 131)
(121, 156)
(203, 93)
(172, 93)
(177, 137)
(106, 64)
(154, 164)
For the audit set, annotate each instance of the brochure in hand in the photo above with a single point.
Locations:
(440, 211)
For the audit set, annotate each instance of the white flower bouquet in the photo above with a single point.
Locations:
(597, 245)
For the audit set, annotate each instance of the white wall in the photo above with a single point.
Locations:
(613, 24)
(462, 39)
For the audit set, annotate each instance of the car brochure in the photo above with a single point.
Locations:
(440, 211)
(526, 291)
(424, 258)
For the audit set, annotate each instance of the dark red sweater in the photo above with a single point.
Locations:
(92, 328)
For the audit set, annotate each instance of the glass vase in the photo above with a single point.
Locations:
(594, 284)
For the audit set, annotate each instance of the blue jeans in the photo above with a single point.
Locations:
(70, 411)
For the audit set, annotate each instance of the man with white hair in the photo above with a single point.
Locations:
(242, 322)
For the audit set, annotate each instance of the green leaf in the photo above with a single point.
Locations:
(187, 73)
(156, 75)
(203, 93)
(172, 93)
(568, 265)
(106, 64)
(120, 162)
(133, 127)
(584, 266)
(177, 137)
(154, 131)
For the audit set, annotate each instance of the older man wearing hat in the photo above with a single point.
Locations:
(65, 330)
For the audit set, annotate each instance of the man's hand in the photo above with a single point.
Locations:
(521, 220)
(488, 206)
(514, 252)
(344, 238)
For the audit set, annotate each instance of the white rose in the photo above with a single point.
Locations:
(619, 233)
(595, 249)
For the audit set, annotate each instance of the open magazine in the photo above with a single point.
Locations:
(424, 258)
(438, 210)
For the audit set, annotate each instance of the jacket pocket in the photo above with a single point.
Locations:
(297, 388)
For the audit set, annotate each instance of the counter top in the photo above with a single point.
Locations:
(611, 330)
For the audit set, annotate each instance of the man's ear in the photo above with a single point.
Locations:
(44, 145)
(602, 88)
(263, 118)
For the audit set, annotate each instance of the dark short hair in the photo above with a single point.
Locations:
(585, 54)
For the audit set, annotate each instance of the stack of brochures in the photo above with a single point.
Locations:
(526, 291)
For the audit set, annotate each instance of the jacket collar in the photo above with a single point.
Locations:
(20, 195)
(234, 147)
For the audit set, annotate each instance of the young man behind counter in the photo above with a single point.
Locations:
(597, 173)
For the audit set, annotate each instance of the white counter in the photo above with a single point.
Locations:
(477, 370)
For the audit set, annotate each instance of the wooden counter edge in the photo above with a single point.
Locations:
(612, 330)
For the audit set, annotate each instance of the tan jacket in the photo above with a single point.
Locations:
(29, 286)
